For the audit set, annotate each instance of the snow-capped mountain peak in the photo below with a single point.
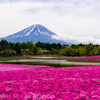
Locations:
(33, 30)
(35, 33)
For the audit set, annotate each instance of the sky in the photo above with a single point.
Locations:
(74, 21)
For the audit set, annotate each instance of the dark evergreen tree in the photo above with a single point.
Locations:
(18, 48)
(54, 45)
(59, 45)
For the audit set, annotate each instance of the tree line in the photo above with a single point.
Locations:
(40, 48)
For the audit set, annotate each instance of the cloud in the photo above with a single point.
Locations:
(76, 40)
(77, 20)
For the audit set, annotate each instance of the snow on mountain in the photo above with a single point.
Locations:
(33, 30)
(35, 33)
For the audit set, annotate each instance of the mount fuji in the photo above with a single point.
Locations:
(35, 33)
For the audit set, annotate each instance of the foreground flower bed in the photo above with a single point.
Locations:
(71, 83)
(87, 59)
(9, 67)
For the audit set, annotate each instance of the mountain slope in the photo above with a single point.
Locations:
(36, 33)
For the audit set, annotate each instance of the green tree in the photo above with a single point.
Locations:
(67, 51)
(35, 50)
(18, 48)
(8, 52)
(24, 45)
(48, 46)
(58, 45)
(30, 45)
(62, 52)
(54, 51)
(12, 45)
(75, 46)
(98, 50)
(54, 45)
(82, 51)
(3, 44)
(89, 49)
(73, 52)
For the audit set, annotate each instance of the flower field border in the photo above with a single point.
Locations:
(43, 83)
(86, 59)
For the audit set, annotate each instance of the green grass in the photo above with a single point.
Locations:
(97, 61)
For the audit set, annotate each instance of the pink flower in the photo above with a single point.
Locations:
(28, 82)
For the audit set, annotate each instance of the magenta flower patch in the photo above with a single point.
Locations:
(88, 58)
(40, 83)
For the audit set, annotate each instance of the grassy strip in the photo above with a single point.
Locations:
(53, 65)
(71, 59)
(28, 57)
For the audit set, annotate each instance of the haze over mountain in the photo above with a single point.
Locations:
(35, 33)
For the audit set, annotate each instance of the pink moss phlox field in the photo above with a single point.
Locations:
(71, 83)
(88, 58)
(7, 67)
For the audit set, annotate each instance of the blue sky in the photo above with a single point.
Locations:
(75, 21)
